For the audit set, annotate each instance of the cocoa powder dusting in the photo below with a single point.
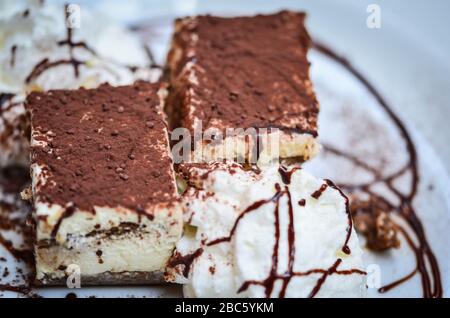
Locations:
(249, 71)
(91, 136)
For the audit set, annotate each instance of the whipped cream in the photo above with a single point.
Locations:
(273, 233)
(37, 53)
(35, 32)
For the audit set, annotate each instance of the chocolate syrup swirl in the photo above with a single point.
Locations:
(430, 274)
(286, 277)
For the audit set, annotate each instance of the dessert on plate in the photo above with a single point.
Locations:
(103, 185)
(247, 73)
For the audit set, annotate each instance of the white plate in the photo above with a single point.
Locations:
(389, 58)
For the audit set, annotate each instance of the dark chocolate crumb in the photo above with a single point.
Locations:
(156, 174)
(105, 107)
(232, 96)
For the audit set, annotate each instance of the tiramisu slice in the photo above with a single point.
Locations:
(279, 232)
(244, 72)
(103, 186)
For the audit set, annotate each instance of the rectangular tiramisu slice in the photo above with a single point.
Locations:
(103, 185)
(244, 72)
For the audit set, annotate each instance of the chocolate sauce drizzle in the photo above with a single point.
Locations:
(46, 64)
(345, 248)
(316, 194)
(12, 62)
(151, 58)
(185, 260)
(287, 175)
(286, 277)
(320, 191)
(431, 280)
(68, 212)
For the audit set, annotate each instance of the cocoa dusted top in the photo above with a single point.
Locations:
(102, 147)
(247, 72)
